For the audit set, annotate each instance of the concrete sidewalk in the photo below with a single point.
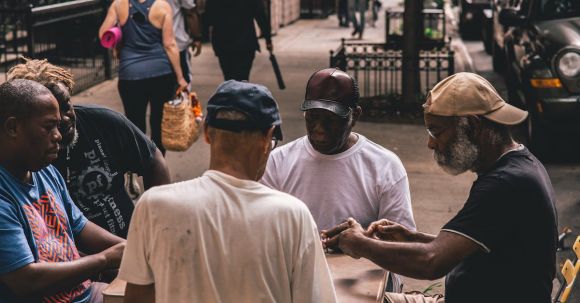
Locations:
(301, 49)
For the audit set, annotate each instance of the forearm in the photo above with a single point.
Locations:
(173, 54)
(94, 239)
(421, 237)
(157, 173)
(42, 279)
(411, 259)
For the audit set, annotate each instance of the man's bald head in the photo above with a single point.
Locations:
(19, 98)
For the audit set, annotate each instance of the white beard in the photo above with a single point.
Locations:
(461, 155)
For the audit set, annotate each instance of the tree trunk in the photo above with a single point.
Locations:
(412, 34)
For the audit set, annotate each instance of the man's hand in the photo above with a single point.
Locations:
(390, 231)
(113, 255)
(344, 236)
(195, 47)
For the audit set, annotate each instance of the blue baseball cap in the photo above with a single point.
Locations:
(253, 100)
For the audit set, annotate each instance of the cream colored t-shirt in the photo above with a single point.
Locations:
(217, 238)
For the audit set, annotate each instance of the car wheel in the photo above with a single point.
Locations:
(498, 58)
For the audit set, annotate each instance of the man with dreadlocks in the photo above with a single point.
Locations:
(98, 147)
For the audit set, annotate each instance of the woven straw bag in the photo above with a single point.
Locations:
(180, 126)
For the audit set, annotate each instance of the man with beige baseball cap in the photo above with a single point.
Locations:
(504, 238)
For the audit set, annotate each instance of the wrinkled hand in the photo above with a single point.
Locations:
(196, 47)
(389, 231)
(345, 236)
(114, 254)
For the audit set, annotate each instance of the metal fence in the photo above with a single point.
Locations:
(378, 68)
(65, 33)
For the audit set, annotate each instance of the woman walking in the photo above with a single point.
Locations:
(149, 60)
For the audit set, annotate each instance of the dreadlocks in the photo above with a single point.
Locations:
(41, 71)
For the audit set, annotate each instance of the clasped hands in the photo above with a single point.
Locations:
(350, 237)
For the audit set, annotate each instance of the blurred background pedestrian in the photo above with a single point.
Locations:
(149, 60)
(233, 34)
(187, 30)
(357, 7)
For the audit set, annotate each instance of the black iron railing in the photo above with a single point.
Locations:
(64, 32)
(378, 68)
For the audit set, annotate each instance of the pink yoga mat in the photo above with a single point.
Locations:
(111, 37)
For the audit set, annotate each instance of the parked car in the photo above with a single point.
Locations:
(471, 16)
(541, 47)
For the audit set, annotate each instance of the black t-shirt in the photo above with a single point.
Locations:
(510, 213)
(108, 146)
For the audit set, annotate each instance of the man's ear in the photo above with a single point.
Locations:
(11, 127)
(268, 145)
(206, 133)
(356, 115)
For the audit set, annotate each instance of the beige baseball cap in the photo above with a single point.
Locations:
(465, 94)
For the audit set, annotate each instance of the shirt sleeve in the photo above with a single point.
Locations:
(15, 251)
(483, 217)
(311, 278)
(135, 267)
(395, 203)
(77, 219)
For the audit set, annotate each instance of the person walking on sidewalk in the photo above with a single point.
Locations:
(505, 236)
(357, 7)
(149, 63)
(233, 34)
(98, 147)
(187, 30)
(223, 237)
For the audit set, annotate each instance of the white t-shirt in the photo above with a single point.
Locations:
(366, 182)
(181, 36)
(217, 238)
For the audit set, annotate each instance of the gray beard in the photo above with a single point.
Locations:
(74, 141)
(460, 156)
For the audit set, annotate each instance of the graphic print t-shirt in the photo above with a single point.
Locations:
(38, 223)
(109, 145)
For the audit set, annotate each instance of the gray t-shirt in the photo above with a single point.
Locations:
(181, 36)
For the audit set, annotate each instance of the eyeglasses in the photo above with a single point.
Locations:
(434, 136)
(274, 143)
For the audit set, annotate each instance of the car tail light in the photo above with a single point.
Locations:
(546, 83)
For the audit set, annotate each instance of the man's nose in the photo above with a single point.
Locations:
(57, 136)
(318, 130)
(431, 143)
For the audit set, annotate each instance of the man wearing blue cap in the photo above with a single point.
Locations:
(223, 237)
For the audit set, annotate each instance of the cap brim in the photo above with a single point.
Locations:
(335, 107)
(507, 115)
